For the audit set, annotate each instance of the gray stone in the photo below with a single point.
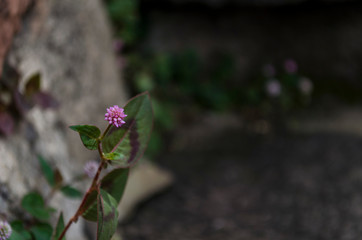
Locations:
(70, 45)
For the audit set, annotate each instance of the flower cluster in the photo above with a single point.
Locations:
(115, 116)
(91, 168)
(5, 230)
(274, 86)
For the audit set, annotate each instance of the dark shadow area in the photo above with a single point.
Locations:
(250, 187)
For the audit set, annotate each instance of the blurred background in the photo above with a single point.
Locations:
(252, 102)
(257, 107)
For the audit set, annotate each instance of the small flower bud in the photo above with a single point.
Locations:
(273, 88)
(290, 66)
(90, 169)
(115, 116)
(5, 230)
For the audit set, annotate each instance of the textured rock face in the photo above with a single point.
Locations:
(10, 18)
(70, 45)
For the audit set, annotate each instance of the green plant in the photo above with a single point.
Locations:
(120, 146)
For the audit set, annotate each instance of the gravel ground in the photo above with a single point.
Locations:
(239, 186)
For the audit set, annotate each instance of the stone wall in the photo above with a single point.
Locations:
(71, 46)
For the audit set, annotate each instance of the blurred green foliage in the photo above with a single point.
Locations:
(125, 18)
(181, 83)
(184, 84)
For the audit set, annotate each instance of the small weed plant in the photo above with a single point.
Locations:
(119, 146)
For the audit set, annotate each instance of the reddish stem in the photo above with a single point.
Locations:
(91, 188)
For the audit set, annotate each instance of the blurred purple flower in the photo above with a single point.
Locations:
(305, 86)
(91, 168)
(290, 66)
(5, 230)
(118, 45)
(269, 70)
(273, 88)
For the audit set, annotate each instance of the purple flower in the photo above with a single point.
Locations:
(5, 230)
(269, 70)
(91, 168)
(305, 86)
(273, 88)
(115, 116)
(118, 45)
(290, 66)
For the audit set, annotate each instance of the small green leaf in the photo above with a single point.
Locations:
(107, 215)
(89, 209)
(33, 84)
(47, 171)
(58, 177)
(71, 192)
(88, 135)
(114, 156)
(15, 235)
(33, 203)
(131, 139)
(59, 228)
(42, 231)
(19, 232)
(114, 183)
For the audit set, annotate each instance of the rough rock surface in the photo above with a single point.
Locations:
(10, 21)
(71, 47)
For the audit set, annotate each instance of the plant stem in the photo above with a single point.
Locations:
(91, 188)
(105, 132)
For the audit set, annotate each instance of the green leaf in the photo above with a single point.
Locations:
(89, 209)
(114, 183)
(88, 135)
(58, 177)
(131, 138)
(107, 216)
(47, 171)
(42, 231)
(71, 192)
(33, 84)
(59, 228)
(19, 232)
(114, 156)
(33, 203)
(15, 235)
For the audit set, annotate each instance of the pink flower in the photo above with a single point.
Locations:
(273, 88)
(5, 230)
(290, 66)
(305, 85)
(91, 168)
(115, 116)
